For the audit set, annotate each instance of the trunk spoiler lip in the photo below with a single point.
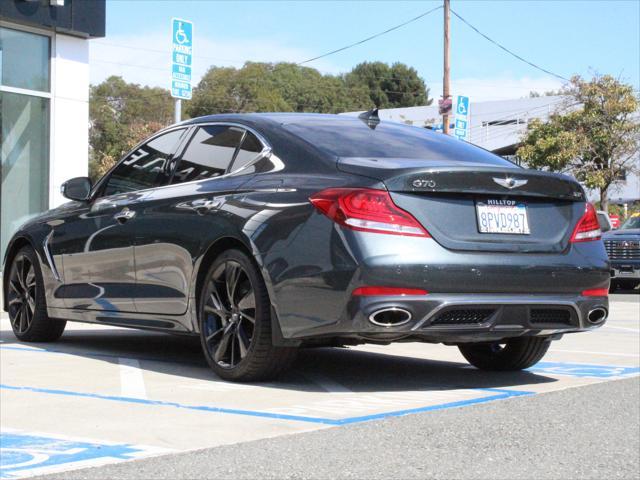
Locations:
(417, 176)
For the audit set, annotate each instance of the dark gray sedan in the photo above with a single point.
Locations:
(263, 233)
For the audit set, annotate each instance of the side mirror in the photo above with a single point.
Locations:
(77, 189)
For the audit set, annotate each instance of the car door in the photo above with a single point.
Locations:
(95, 243)
(177, 218)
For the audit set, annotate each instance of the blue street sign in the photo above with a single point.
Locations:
(181, 58)
(462, 118)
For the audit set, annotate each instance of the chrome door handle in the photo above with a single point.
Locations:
(124, 215)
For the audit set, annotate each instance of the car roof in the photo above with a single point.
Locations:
(280, 118)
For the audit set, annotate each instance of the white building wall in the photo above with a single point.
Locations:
(70, 113)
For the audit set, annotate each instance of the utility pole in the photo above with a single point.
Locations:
(445, 79)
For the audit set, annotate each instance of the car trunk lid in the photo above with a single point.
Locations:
(444, 198)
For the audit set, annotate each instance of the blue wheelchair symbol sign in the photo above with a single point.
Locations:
(27, 454)
(584, 370)
(182, 32)
(462, 107)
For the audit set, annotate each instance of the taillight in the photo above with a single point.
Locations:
(596, 292)
(367, 210)
(588, 228)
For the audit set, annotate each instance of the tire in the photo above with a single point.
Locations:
(234, 317)
(514, 354)
(26, 301)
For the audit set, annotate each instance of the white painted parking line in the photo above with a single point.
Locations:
(131, 380)
(613, 354)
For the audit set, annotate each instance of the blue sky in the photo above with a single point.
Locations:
(566, 37)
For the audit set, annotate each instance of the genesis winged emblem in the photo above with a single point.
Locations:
(509, 182)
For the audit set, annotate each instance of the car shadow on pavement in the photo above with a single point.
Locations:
(346, 369)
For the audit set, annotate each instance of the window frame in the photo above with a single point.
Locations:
(98, 188)
(266, 150)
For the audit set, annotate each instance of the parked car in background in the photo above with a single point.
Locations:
(604, 221)
(263, 233)
(623, 248)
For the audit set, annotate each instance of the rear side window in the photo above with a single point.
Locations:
(145, 167)
(248, 152)
(208, 154)
(351, 137)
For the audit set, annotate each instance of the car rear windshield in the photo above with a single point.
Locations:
(353, 138)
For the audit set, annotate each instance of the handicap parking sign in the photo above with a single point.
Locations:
(181, 58)
(462, 118)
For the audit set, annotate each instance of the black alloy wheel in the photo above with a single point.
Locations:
(235, 321)
(230, 314)
(21, 294)
(26, 302)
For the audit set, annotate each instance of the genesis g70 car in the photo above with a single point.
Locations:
(264, 233)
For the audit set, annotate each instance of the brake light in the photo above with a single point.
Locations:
(367, 210)
(376, 291)
(588, 228)
(596, 292)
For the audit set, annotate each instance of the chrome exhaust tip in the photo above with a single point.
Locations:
(597, 315)
(390, 317)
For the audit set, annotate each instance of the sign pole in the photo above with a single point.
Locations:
(178, 111)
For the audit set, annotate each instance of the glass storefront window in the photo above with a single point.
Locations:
(24, 60)
(24, 190)
(24, 128)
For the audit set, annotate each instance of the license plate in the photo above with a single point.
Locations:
(502, 216)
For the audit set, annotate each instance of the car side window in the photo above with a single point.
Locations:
(145, 167)
(208, 154)
(248, 152)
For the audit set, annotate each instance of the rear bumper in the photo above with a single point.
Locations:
(454, 318)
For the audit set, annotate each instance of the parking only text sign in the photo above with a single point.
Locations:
(181, 58)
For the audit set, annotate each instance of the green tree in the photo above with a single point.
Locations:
(274, 87)
(121, 115)
(595, 136)
(390, 86)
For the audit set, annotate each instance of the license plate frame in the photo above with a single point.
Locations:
(502, 217)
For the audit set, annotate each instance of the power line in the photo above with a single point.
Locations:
(360, 42)
(509, 51)
(165, 52)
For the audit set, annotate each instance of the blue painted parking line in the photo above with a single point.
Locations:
(497, 394)
(584, 370)
(23, 454)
